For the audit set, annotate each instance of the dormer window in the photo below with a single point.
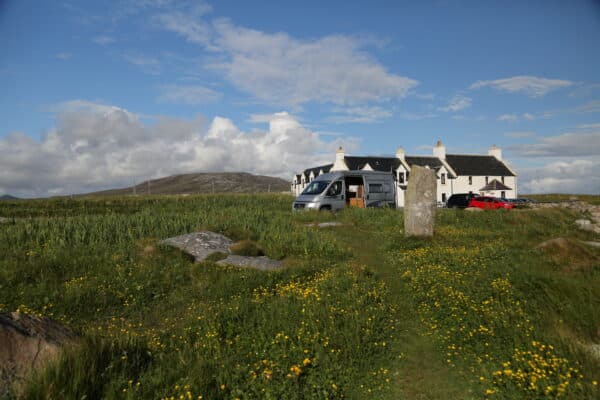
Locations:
(470, 180)
(486, 180)
(443, 179)
(502, 181)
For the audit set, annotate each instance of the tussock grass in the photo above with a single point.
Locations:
(360, 311)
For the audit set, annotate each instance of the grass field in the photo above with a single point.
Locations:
(359, 312)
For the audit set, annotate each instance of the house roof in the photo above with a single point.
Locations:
(477, 165)
(424, 161)
(386, 164)
(495, 184)
(316, 170)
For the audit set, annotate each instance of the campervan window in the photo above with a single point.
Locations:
(375, 188)
(316, 187)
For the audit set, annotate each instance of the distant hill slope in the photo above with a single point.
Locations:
(8, 197)
(222, 182)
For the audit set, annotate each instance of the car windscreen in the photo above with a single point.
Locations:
(316, 187)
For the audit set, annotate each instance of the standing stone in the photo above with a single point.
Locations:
(420, 202)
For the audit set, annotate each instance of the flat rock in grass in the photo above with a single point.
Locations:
(473, 209)
(4, 220)
(325, 224)
(593, 244)
(27, 343)
(200, 244)
(329, 224)
(260, 263)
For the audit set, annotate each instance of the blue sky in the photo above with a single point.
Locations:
(98, 95)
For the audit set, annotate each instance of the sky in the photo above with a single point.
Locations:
(98, 95)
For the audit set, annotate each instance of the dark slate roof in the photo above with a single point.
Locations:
(477, 165)
(495, 184)
(386, 164)
(424, 161)
(316, 170)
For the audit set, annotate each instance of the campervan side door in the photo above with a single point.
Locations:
(379, 191)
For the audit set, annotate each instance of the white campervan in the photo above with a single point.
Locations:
(337, 190)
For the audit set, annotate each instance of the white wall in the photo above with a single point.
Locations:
(445, 188)
(461, 185)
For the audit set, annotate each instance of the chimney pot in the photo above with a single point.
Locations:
(439, 150)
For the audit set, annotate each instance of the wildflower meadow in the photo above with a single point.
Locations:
(358, 312)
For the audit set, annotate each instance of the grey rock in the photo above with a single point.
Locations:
(583, 222)
(420, 202)
(593, 349)
(260, 263)
(200, 244)
(593, 244)
(325, 224)
(27, 343)
(474, 209)
(4, 220)
(329, 224)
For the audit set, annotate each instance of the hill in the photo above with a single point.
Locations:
(222, 182)
(8, 197)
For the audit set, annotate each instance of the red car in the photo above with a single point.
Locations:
(488, 202)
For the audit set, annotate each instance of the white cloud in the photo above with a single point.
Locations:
(279, 69)
(565, 145)
(411, 116)
(576, 176)
(508, 117)
(188, 94)
(529, 85)
(103, 40)
(189, 24)
(97, 146)
(585, 90)
(589, 126)
(148, 65)
(63, 56)
(528, 116)
(259, 118)
(519, 135)
(359, 114)
(457, 103)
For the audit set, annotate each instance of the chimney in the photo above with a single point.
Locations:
(439, 150)
(340, 164)
(400, 153)
(339, 154)
(496, 152)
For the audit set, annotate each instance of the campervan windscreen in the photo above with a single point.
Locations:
(316, 187)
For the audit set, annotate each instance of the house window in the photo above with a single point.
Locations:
(486, 180)
(470, 180)
(502, 180)
(401, 177)
(503, 194)
(443, 197)
(443, 179)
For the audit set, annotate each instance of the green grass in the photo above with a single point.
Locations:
(588, 198)
(359, 312)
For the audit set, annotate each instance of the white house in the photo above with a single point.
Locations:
(456, 173)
